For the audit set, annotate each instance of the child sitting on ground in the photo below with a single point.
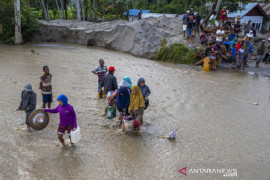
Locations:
(68, 119)
(227, 44)
(28, 102)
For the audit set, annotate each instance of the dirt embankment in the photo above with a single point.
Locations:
(141, 38)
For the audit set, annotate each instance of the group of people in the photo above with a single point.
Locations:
(191, 22)
(129, 99)
(226, 40)
(68, 120)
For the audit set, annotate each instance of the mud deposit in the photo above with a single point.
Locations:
(219, 127)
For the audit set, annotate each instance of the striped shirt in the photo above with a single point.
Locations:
(46, 87)
(100, 72)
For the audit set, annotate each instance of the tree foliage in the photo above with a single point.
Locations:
(7, 26)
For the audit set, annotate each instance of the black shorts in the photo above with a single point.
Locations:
(47, 98)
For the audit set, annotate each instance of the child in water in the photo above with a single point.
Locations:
(28, 102)
(46, 87)
(145, 91)
(67, 114)
(136, 106)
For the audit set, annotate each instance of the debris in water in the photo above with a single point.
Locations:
(256, 103)
(171, 136)
(33, 51)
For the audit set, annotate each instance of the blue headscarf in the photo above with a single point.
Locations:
(63, 98)
(127, 79)
(139, 81)
(123, 100)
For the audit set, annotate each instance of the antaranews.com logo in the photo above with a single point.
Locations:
(224, 172)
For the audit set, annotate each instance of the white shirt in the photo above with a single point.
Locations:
(220, 35)
(212, 17)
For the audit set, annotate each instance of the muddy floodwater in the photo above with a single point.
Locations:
(219, 126)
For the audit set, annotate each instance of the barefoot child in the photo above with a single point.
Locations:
(67, 114)
(240, 58)
(46, 87)
(28, 102)
(100, 71)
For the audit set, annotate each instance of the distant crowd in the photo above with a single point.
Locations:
(225, 37)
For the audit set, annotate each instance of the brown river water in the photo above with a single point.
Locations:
(218, 126)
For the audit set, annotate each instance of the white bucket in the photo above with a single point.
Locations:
(75, 135)
(128, 125)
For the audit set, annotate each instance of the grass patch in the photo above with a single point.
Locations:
(176, 53)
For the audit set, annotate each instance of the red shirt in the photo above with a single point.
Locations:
(223, 16)
(238, 46)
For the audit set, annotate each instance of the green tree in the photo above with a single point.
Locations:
(29, 23)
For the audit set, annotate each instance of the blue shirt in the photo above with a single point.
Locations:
(234, 52)
(227, 43)
(232, 36)
(250, 48)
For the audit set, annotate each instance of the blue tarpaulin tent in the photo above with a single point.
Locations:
(135, 12)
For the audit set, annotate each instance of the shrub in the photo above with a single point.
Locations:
(176, 53)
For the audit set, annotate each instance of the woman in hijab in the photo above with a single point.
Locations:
(123, 99)
(68, 120)
(128, 80)
(136, 106)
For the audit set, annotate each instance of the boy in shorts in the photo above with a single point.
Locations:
(46, 87)
(189, 29)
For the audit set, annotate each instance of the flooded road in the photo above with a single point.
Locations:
(218, 126)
